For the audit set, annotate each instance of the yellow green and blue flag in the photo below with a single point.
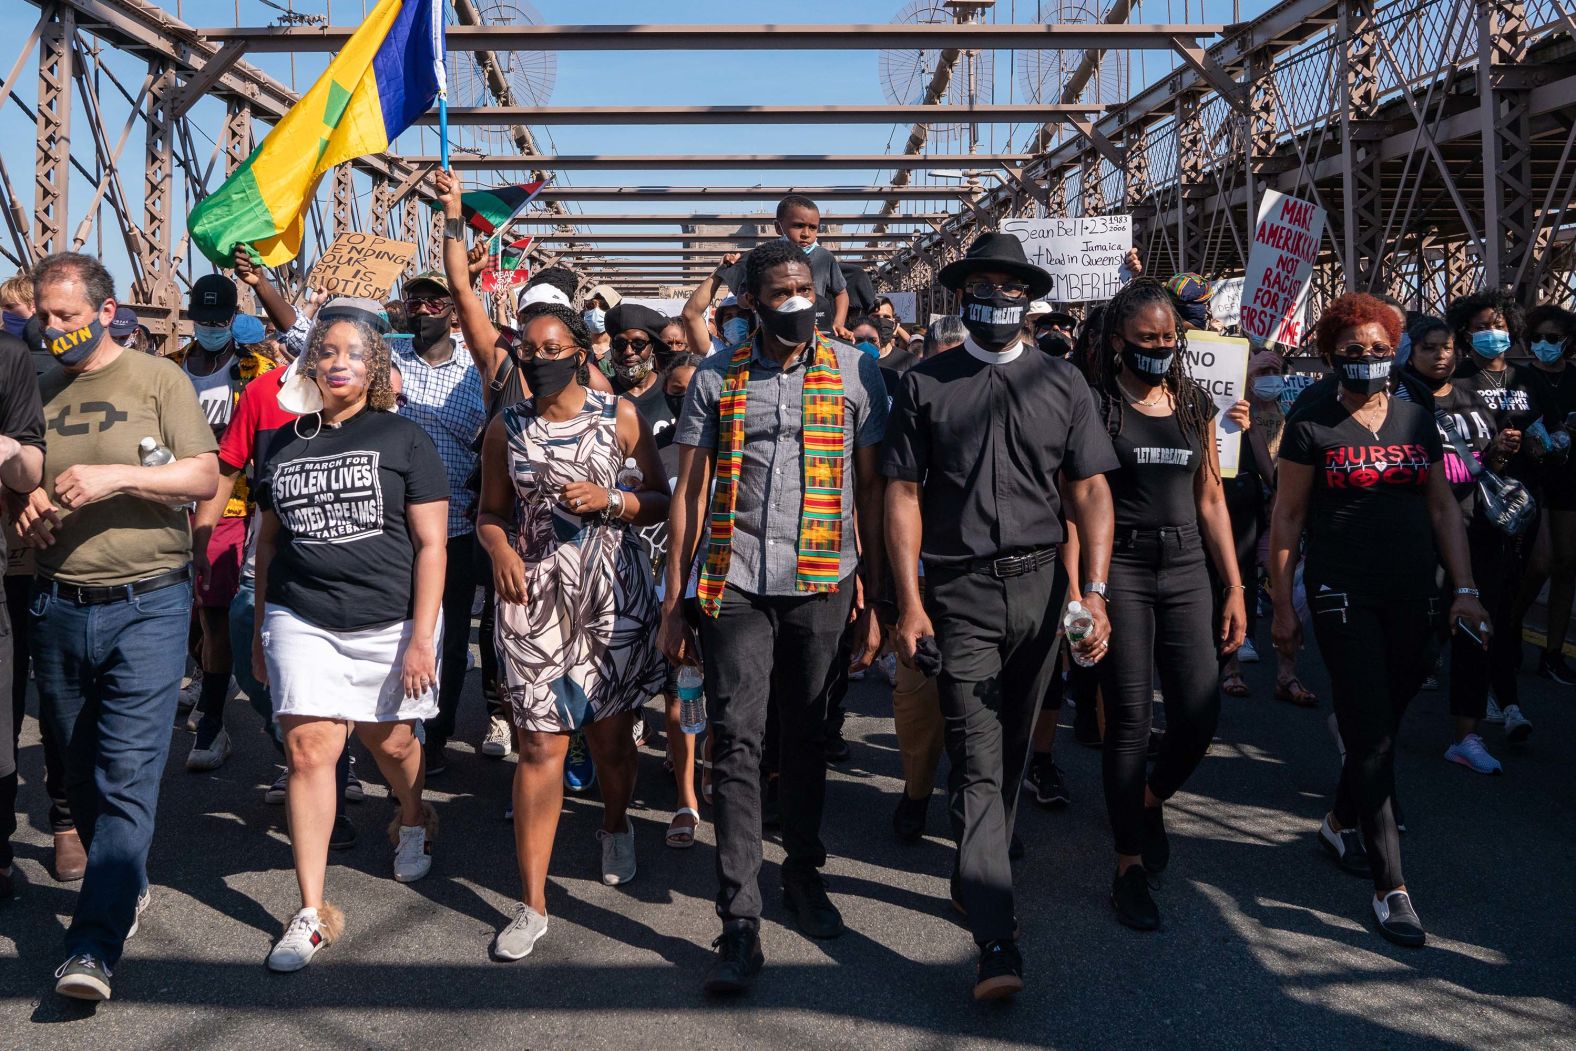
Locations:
(386, 76)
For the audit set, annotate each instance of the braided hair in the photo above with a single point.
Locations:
(1192, 404)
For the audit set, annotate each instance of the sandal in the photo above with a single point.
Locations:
(1234, 686)
(682, 837)
(1293, 691)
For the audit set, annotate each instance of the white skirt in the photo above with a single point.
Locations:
(352, 675)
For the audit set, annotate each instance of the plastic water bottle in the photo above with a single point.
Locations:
(692, 701)
(152, 453)
(629, 476)
(1077, 624)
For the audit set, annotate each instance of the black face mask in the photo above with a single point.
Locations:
(1055, 344)
(993, 321)
(1366, 375)
(429, 329)
(547, 376)
(887, 327)
(675, 403)
(71, 347)
(791, 327)
(1149, 364)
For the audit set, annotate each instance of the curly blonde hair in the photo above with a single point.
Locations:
(380, 388)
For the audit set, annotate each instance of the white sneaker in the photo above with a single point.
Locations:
(212, 757)
(1470, 753)
(618, 854)
(143, 901)
(1248, 653)
(1517, 726)
(306, 934)
(516, 941)
(1494, 714)
(496, 742)
(274, 794)
(412, 853)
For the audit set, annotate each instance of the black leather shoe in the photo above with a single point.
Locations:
(999, 973)
(1134, 905)
(739, 959)
(836, 747)
(1157, 846)
(908, 820)
(343, 834)
(804, 895)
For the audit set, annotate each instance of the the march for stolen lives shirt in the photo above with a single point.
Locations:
(344, 558)
(100, 417)
(1368, 525)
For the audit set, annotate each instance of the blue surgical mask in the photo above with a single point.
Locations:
(806, 249)
(1268, 388)
(1548, 352)
(14, 323)
(212, 337)
(868, 347)
(1491, 342)
(735, 330)
(595, 319)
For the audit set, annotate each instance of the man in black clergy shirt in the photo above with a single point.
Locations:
(983, 446)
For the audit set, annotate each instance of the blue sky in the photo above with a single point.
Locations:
(590, 78)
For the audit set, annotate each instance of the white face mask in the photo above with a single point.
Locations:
(795, 304)
(300, 395)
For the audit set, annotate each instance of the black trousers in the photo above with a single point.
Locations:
(1374, 648)
(998, 653)
(13, 706)
(459, 592)
(1496, 568)
(1162, 614)
(1245, 507)
(766, 652)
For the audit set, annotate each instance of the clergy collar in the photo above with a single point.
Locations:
(993, 357)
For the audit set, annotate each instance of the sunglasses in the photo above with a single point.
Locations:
(640, 345)
(1358, 350)
(433, 304)
(983, 289)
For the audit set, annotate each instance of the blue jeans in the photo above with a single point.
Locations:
(108, 676)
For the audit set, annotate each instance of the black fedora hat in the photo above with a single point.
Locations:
(995, 251)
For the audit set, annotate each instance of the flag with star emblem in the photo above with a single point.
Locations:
(387, 74)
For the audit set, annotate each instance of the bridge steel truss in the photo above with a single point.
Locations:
(1439, 135)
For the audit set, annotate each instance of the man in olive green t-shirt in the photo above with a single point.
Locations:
(113, 595)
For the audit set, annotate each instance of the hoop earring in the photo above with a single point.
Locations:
(295, 425)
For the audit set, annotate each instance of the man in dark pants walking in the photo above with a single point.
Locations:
(792, 423)
(985, 443)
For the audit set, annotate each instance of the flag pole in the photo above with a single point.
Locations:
(441, 62)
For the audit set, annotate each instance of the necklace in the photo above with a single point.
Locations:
(1496, 379)
(1353, 413)
(1151, 403)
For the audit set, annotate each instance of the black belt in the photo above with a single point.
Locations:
(98, 594)
(1161, 533)
(1011, 565)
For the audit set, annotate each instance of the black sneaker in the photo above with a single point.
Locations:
(1346, 847)
(1015, 849)
(908, 820)
(804, 895)
(1044, 779)
(343, 834)
(739, 959)
(83, 977)
(836, 747)
(1157, 845)
(436, 763)
(1135, 906)
(999, 973)
(1553, 666)
(1398, 920)
(1086, 726)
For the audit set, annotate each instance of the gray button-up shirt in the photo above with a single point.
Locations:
(771, 478)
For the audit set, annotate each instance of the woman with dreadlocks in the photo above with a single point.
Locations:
(1169, 511)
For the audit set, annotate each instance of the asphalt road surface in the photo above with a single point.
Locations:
(1264, 943)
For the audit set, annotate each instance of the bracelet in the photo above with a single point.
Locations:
(454, 229)
(1235, 587)
(615, 505)
(1469, 591)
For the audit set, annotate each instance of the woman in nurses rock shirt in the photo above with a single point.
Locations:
(1359, 469)
(1461, 412)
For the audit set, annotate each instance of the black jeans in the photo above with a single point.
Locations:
(459, 592)
(18, 595)
(998, 653)
(1374, 648)
(1245, 507)
(1162, 615)
(769, 652)
(1496, 567)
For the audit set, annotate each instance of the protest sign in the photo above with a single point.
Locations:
(361, 265)
(904, 304)
(1219, 364)
(1225, 304)
(504, 280)
(1083, 255)
(1280, 269)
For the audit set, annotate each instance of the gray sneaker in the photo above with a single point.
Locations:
(516, 941)
(618, 854)
(83, 977)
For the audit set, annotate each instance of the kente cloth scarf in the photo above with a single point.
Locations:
(821, 518)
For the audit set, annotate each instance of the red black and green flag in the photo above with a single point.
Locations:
(488, 211)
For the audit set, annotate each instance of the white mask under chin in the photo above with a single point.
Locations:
(795, 304)
(300, 395)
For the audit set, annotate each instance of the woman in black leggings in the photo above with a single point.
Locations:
(1169, 511)
(1360, 470)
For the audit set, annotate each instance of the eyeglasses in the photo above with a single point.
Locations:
(983, 289)
(431, 304)
(325, 354)
(639, 345)
(546, 350)
(1357, 350)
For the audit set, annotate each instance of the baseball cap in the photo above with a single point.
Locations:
(428, 277)
(212, 300)
(609, 295)
(543, 293)
(247, 330)
(124, 323)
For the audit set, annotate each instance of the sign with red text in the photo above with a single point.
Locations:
(1280, 269)
(504, 280)
(1084, 255)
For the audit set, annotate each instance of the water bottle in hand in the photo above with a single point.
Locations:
(692, 701)
(152, 453)
(1077, 625)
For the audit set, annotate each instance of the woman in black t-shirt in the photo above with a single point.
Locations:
(1357, 469)
(351, 552)
(1169, 509)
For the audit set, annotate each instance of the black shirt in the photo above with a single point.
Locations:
(1473, 423)
(1368, 525)
(344, 556)
(861, 293)
(21, 408)
(986, 438)
(896, 362)
(1154, 486)
(656, 410)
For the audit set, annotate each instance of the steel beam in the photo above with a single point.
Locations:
(1362, 187)
(489, 116)
(52, 159)
(985, 36)
(743, 193)
(728, 162)
(157, 287)
(1509, 222)
(729, 219)
(583, 238)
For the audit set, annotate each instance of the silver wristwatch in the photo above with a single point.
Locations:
(1096, 588)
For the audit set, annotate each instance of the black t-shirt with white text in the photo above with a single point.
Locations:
(655, 409)
(1473, 422)
(1368, 525)
(344, 556)
(1154, 486)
